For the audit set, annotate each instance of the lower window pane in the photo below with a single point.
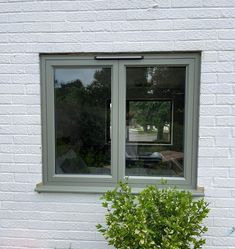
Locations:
(155, 121)
(82, 120)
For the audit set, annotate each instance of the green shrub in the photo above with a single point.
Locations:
(154, 219)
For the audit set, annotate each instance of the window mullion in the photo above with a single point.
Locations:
(122, 119)
(114, 121)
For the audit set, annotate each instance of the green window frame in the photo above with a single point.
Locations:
(118, 63)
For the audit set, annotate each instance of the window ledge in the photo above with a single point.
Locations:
(40, 188)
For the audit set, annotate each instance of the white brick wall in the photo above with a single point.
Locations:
(32, 220)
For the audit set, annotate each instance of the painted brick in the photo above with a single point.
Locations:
(232, 153)
(210, 67)
(207, 121)
(220, 45)
(226, 77)
(223, 183)
(206, 99)
(207, 172)
(206, 142)
(15, 28)
(224, 141)
(34, 6)
(226, 56)
(200, 24)
(12, 109)
(209, 110)
(13, 130)
(5, 119)
(26, 99)
(34, 129)
(27, 159)
(213, 152)
(17, 149)
(27, 139)
(79, 5)
(211, 192)
(36, 27)
(6, 139)
(33, 89)
(232, 172)
(209, 56)
(186, 3)
(233, 132)
(225, 99)
(227, 35)
(224, 162)
(228, 121)
(27, 28)
(218, 3)
(36, 17)
(216, 88)
(22, 120)
(11, 89)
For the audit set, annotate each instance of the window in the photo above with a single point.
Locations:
(105, 117)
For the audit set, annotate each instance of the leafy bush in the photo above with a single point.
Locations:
(154, 219)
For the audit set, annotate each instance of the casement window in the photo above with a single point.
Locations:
(108, 116)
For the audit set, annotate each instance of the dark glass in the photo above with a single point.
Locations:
(82, 120)
(155, 100)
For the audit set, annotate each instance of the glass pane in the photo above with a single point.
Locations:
(155, 121)
(82, 120)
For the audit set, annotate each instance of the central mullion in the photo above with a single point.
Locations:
(114, 121)
(122, 120)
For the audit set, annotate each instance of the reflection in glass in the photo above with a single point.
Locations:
(82, 115)
(149, 121)
(155, 121)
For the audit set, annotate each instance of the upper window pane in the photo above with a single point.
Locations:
(82, 120)
(155, 99)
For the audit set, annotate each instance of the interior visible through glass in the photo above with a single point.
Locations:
(82, 120)
(155, 99)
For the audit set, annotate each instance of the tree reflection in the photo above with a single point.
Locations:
(80, 118)
(152, 116)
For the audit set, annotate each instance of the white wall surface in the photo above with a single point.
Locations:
(27, 28)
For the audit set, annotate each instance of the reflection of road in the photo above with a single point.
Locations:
(135, 136)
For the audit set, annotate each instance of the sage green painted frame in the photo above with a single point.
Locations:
(97, 183)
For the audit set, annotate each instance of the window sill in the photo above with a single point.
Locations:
(40, 188)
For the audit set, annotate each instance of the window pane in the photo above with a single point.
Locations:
(82, 120)
(155, 121)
